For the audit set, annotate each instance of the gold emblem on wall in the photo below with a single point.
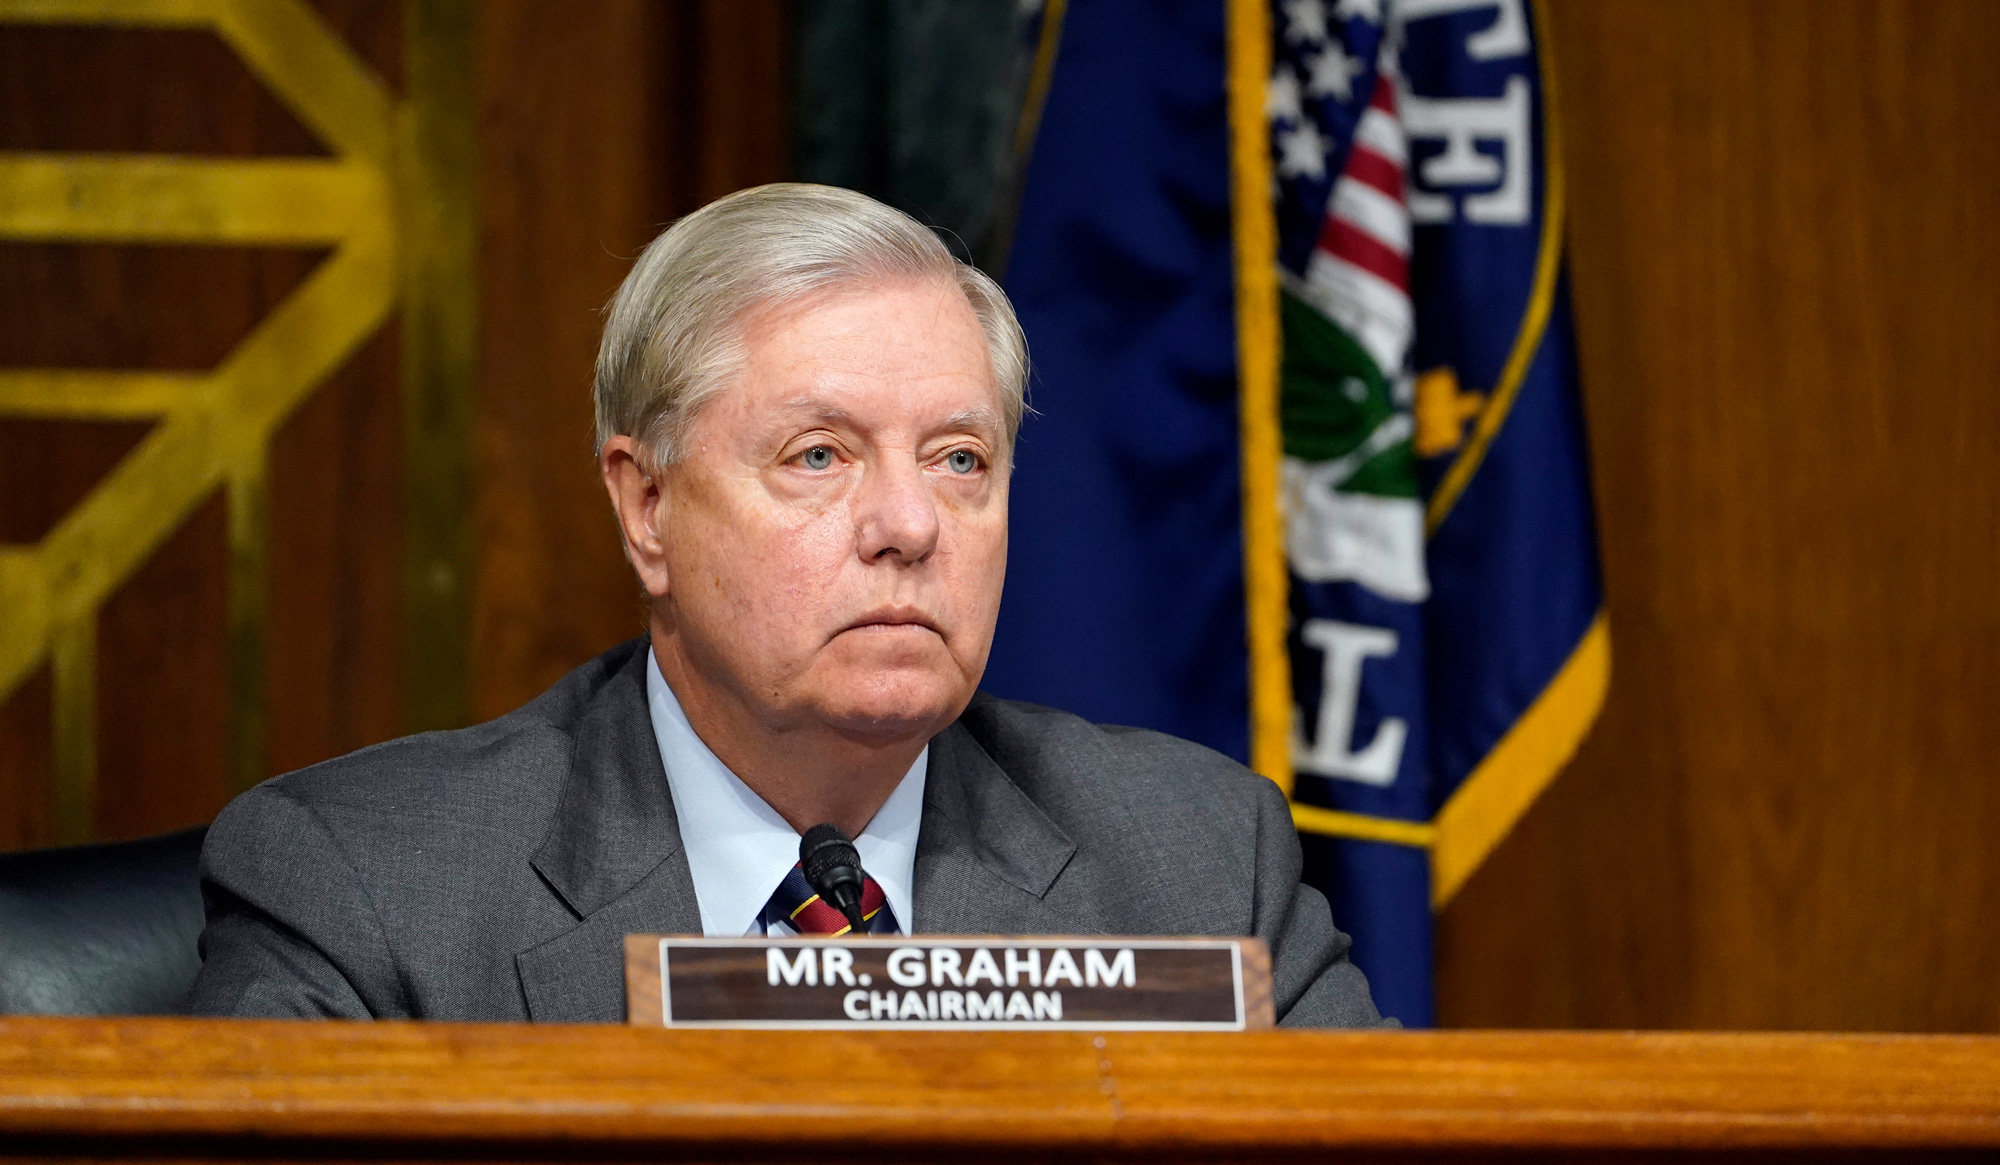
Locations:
(398, 170)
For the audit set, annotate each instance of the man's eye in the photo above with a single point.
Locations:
(961, 461)
(817, 457)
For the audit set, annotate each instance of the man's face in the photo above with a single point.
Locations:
(835, 537)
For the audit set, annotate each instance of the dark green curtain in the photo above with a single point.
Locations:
(917, 103)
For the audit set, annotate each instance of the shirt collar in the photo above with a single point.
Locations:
(739, 848)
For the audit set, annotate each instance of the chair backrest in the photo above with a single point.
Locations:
(100, 929)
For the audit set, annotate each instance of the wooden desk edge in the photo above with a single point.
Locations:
(421, 1085)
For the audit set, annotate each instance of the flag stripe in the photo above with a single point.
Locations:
(1383, 96)
(1373, 213)
(1345, 241)
(1346, 293)
(1381, 132)
(1374, 171)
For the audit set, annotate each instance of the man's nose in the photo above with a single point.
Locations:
(896, 516)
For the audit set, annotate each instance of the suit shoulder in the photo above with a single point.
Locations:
(1145, 811)
(463, 773)
(430, 767)
(1036, 745)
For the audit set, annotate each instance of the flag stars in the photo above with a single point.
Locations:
(1305, 21)
(1302, 152)
(1332, 74)
(1368, 10)
(1281, 97)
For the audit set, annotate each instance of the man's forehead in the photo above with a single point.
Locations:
(854, 408)
(904, 355)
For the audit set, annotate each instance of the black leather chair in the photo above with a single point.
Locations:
(100, 929)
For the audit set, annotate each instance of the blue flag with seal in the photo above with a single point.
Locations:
(1309, 484)
(1124, 596)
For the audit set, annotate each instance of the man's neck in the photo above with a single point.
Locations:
(808, 773)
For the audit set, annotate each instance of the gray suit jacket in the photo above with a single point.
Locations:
(492, 873)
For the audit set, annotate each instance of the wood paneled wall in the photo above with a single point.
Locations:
(163, 668)
(1784, 237)
(599, 123)
(1782, 244)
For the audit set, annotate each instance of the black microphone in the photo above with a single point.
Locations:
(833, 869)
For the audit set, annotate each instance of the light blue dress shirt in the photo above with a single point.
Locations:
(739, 849)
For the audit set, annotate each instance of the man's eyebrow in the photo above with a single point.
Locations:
(975, 418)
(980, 418)
(818, 408)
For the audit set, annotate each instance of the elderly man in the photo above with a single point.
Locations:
(806, 412)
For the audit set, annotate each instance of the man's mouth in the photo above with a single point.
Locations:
(894, 619)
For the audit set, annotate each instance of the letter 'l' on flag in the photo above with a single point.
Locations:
(1309, 482)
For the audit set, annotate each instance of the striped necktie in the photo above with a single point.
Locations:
(796, 905)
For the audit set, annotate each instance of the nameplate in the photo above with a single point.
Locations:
(940, 982)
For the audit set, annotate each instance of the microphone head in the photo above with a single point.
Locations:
(832, 867)
(826, 850)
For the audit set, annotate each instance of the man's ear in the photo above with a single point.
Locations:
(637, 500)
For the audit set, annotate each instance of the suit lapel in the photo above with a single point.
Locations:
(614, 856)
(986, 855)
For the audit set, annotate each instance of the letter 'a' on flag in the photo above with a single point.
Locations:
(1308, 480)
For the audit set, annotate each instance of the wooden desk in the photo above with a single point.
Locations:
(184, 1089)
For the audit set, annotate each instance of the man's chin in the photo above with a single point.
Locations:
(883, 709)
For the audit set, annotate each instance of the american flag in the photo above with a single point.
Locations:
(1340, 154)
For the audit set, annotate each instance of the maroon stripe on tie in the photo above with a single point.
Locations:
(819, 917)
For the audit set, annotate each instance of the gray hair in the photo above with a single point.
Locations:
(674, 333)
